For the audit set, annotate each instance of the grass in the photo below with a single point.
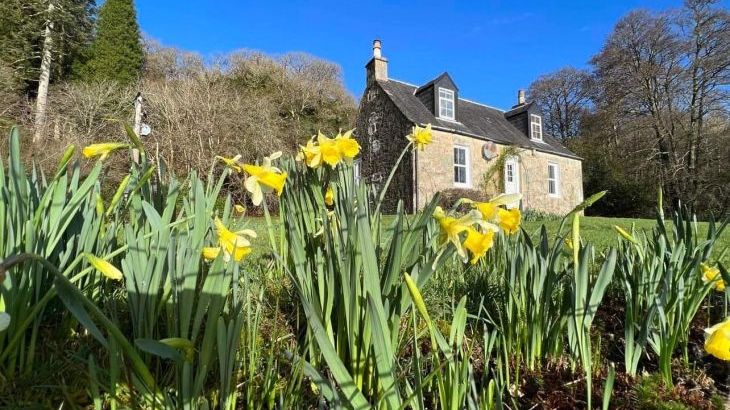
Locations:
(594, 229)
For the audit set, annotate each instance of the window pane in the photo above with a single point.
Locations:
(551, 187)
(459, 156)
(460, 175)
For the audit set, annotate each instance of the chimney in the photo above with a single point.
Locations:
(520, 97)
(377, 46)
(377, 68)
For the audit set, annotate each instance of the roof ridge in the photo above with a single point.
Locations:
(482, 104)
(402, 82)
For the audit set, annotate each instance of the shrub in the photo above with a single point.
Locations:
(449, 197)
(533, 215)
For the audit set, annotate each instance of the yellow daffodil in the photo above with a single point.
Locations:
(569, 243)
(329, 150)
(347, 146)
(310, 154)
(509, 219)
(239, 209)
(106, 268)
(718, 340)
(102, 150)
(234, 244)
(452, 227)
(420, 137)
(329, 196)
(264, 178)
(710, 274)
(231, 163)
(478, 243)
(210, 253)
(489, 209)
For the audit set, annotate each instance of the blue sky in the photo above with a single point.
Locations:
(490, 48)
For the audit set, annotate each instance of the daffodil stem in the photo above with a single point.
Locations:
(137, 362)
(384, 190)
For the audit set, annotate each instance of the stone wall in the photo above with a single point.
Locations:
(381, 129)
(534, 176)
(435, 166)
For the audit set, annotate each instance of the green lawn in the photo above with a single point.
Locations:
(596, 230)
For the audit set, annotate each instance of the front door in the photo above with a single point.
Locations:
(511, 176)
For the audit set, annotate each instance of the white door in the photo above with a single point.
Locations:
(511, 177)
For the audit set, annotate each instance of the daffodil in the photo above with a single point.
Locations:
(452, 227)
(420, 137)
(569, 243)
(329, 150)
(102, 150)
(347, 146)
(717, 342)
(264, 178)
(106, 268)
(710, 274)
(329, 196)
(310, 154)
(489, 209)
(509, 219)
(240, 209)
(210, 253)
(478, 243)
(231, 163)
(234, 244)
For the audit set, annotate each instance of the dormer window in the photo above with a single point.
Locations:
(536, 127)
(446, 104)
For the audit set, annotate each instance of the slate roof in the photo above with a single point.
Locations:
(475, 120)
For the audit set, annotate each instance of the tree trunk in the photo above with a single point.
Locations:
(45, 76)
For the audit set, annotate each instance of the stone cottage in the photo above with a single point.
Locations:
(475, 146)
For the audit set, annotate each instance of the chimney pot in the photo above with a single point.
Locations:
(520, 97)
(377, 49)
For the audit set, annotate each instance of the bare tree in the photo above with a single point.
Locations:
(639, 70)
(564, 97)
(707, 51)
(660, 78)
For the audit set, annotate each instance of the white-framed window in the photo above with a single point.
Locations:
(536, 127)
(509, 172)
(446, 104)
(553, 179)
(461, 165)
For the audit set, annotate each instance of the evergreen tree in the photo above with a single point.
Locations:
(22, 37)
(116, 53)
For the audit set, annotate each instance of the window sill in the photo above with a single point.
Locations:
(460, 185)
(557, 196)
